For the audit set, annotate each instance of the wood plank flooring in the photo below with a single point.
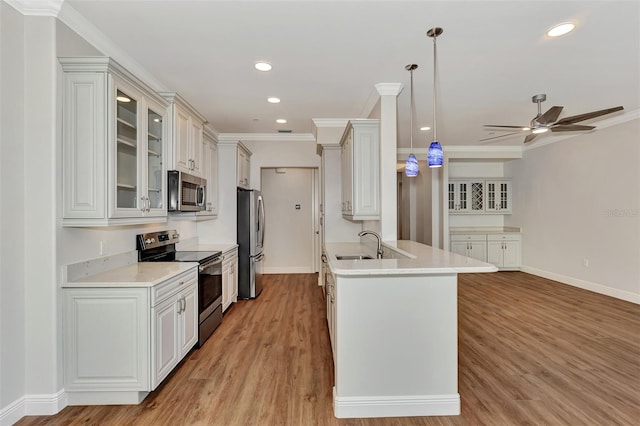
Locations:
(531, 352)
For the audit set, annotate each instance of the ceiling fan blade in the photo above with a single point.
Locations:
(505, 127)
(550, 116)
(588, 115)
(571, 128)
(530, 137)
(499, 136)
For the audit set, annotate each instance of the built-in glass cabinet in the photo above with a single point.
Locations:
(114, 131)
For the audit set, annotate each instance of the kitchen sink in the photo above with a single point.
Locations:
(353, 256)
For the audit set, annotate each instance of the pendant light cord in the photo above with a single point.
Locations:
(435, 92)
(412, 107)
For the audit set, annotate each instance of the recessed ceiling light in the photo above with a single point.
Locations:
(123, 99)
(425, 128)
(273, 100)
(281, 121)
(561, 29)
(263, 66)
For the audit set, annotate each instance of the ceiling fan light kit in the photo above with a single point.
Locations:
(435, 155)
(411, 168)
(543, 123)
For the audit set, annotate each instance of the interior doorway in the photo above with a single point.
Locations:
(291, 199)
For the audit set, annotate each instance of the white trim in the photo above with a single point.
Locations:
(267, 137)
(331, 122)
(389, 89)
(33, 405)
(395, 406)
(585, 285)
(85, 29)
(612, 121)
(36, 7)
(371, 102)
(288, 270)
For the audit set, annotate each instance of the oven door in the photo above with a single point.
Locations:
(209, 288)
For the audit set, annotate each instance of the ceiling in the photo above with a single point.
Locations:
(327, 57)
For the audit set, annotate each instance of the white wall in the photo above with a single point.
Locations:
(579, 199)
(12, 223)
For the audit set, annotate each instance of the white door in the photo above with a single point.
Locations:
(291, 220)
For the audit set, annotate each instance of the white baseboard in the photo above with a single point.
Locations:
(396, 406)
(585, 285)
(287, 270)
(33, 405)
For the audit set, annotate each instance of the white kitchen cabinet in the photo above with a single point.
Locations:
(471, 245)
(479, 196)
(466, 196)
(121, 342)
(504, 250)
(498, 196)
(174, 325)
(186, 127)
(361, 170)
(113, 146)
(229, 278)
(210, 171)
(330, 285)
(243, 167)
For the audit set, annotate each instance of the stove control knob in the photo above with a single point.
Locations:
(150, 240)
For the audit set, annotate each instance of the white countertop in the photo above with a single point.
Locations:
(484, 230)
(223, 247)
(426, 260)
(143, 274)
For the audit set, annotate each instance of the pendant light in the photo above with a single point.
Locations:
(435, 155)
(411, 168)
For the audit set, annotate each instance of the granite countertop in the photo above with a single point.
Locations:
(410, 258)
(143, 274)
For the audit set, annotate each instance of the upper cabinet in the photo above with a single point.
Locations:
(361, 170)
(479, 196)
(114, 146)
(186, 128)
(243, 167)
(210, 172)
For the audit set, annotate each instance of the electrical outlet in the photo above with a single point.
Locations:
(103, 248)
(585, 262)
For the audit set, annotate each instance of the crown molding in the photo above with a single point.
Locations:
(36, 7)
(389, 89)
(85, 29)
(266, 137)
(603, 124)
(331, 122)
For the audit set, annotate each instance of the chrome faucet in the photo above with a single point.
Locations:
(375, 234)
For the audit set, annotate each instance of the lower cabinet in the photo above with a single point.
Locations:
(229, 278)
(502, 250)
(120, 343)
(474, 246)
(330, 288)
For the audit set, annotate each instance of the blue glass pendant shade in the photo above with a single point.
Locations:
(435, 155)
(411, 168)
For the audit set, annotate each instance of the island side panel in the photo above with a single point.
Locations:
(397, 346)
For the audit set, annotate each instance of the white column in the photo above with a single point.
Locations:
(388, 146)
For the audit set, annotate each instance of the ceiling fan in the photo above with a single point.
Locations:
(548, 121)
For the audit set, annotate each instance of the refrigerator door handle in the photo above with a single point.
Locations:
(261, 222)
(259, 257)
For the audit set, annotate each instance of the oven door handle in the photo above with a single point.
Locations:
(212, 263)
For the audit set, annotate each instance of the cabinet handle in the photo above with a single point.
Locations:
(148, 204)
(143, 207)
(181, 283)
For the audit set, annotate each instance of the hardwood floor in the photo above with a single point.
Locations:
(531, 351)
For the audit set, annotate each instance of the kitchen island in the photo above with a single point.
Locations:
(393, 327)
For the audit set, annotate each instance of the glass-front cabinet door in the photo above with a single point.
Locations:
(127, 149)
(155, 160)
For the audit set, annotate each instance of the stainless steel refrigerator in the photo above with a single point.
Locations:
(250, 243)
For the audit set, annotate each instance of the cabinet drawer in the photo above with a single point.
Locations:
(167, 288)
(469, 237)
(504, 237)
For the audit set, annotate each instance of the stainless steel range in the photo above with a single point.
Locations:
(161, 247)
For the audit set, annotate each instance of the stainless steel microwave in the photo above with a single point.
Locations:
(187, 193)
